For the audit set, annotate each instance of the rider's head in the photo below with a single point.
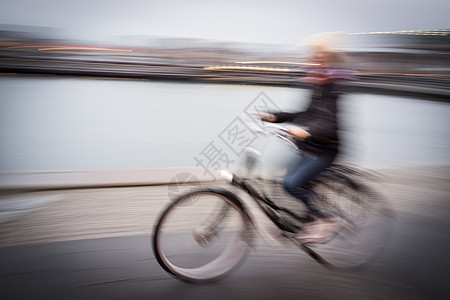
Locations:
(326, 49)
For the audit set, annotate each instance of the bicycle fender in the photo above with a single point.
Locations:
(224, 192)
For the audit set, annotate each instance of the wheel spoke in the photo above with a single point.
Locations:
(366, 224)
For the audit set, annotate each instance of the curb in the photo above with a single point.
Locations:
(33, 181)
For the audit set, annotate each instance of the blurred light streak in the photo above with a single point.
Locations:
(443, 32)
(19, 47)
(247, 68)
(85, 48)
(276, 62)
(406, 74)
(47, 47)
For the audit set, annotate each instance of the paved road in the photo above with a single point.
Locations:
(95, 243)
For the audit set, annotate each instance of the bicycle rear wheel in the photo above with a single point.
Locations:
(367, 221)
(202, 235)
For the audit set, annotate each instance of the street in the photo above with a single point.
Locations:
(96, 243)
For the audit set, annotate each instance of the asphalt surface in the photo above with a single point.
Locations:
(96, 244)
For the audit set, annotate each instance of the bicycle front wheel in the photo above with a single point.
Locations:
(201, 235)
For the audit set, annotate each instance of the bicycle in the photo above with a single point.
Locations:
(204, 234)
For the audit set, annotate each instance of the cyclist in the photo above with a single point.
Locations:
(319, 141)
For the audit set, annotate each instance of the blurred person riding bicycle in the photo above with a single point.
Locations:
(316, 133)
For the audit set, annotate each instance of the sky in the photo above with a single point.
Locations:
(280, 21)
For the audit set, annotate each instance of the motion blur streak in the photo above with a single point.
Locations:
(92, 131)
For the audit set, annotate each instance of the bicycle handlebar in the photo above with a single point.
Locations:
(279, 131)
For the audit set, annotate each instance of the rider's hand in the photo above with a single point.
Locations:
(266, 117)
(297, 132)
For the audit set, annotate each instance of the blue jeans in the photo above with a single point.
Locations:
(304, 169)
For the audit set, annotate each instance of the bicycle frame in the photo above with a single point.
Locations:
(270, 208)
(265, 204)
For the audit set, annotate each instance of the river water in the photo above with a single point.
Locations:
(71, 124)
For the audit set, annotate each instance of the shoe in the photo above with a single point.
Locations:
(320, 231)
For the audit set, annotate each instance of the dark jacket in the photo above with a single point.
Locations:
(320, 120)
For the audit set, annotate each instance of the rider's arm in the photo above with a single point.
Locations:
(282, 117)
(297, 132)
(279, 117)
